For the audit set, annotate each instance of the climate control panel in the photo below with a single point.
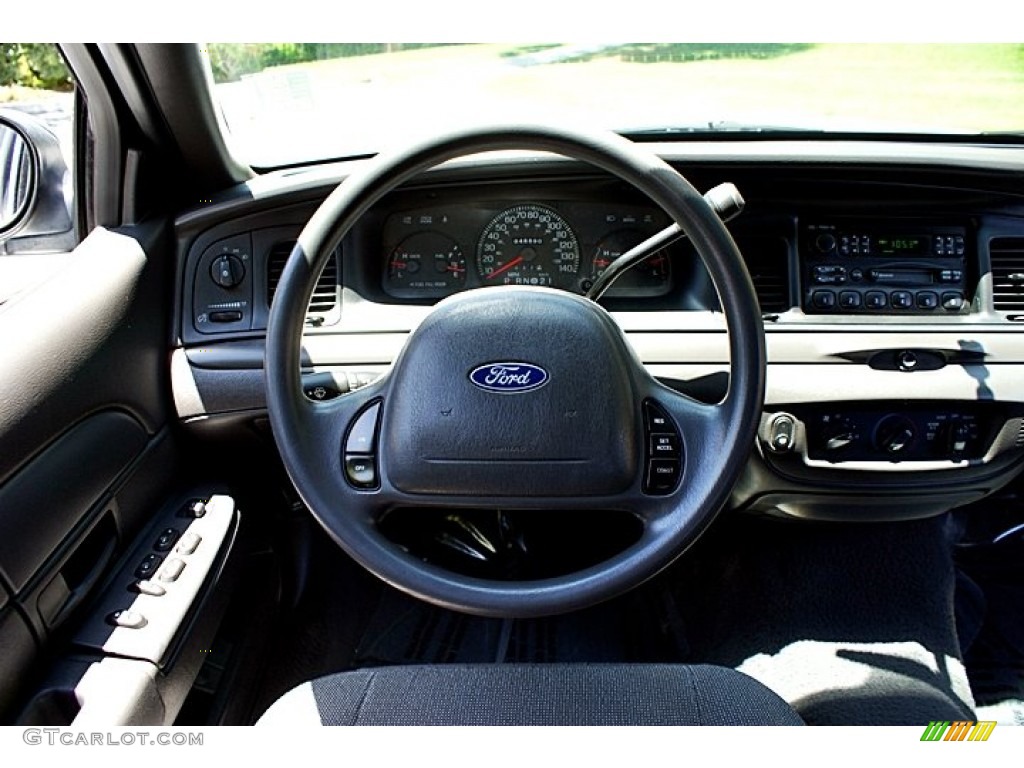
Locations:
(897, 432)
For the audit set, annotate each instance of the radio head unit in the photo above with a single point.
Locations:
(864, 268)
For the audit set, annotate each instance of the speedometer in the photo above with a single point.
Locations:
(528, 245)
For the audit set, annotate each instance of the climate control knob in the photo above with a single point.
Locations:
(894, 435)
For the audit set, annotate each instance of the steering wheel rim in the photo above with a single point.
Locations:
(716, 440)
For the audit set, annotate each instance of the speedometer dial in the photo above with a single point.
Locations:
(528, 245)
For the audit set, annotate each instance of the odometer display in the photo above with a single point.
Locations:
(528, 245)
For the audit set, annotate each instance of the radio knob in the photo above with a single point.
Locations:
(825, 243)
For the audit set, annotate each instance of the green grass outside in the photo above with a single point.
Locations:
(944, 88)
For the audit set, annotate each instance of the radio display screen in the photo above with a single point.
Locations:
(903, 245)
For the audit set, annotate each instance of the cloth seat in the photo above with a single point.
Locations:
(537, 694)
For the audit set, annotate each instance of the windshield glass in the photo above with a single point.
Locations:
(287, 103)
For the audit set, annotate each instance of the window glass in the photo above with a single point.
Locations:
(292, 102)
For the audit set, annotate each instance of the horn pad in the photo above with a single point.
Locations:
(513, 391)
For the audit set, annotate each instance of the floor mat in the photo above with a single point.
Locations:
(995, 657)
(641, 626)
(853, 624)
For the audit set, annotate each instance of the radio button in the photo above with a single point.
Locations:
(951, 275)
(952, 301)
(875, 300)
(901, 300)
(823, 299)
(849, 300)
(927, 300)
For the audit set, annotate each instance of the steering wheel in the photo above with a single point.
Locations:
(516, 398)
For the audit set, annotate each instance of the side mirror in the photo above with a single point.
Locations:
(35, 214)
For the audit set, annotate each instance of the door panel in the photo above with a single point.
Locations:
(38, 513)
(85, 453)
(90, 337)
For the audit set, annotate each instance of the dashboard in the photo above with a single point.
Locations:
(890, 278)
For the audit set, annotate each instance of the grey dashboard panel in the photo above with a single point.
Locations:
(37, 513)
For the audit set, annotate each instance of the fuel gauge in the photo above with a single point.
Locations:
(426, 265)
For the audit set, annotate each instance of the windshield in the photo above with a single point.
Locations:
(286, 103)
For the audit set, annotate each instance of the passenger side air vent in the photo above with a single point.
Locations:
(1007, 254)
(325, 295)
(767, 259)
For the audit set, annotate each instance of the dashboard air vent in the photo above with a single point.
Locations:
(767, 259)
(325, 295)
(1007, 255)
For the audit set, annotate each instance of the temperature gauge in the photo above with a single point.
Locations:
(427, 265)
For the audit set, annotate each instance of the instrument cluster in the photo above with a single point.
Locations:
(430, 252)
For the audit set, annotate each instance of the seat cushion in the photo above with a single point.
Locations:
(539, 694)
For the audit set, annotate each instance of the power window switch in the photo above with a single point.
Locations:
(188, 544)
(147, 587)
(171, 571)
(127, 619)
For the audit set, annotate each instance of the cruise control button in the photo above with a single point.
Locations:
(361, 471)
(127, 619)
(361, 435)
(662, 475)
(665, 446)
(657, 421)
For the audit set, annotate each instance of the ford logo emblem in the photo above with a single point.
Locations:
(509, 378)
